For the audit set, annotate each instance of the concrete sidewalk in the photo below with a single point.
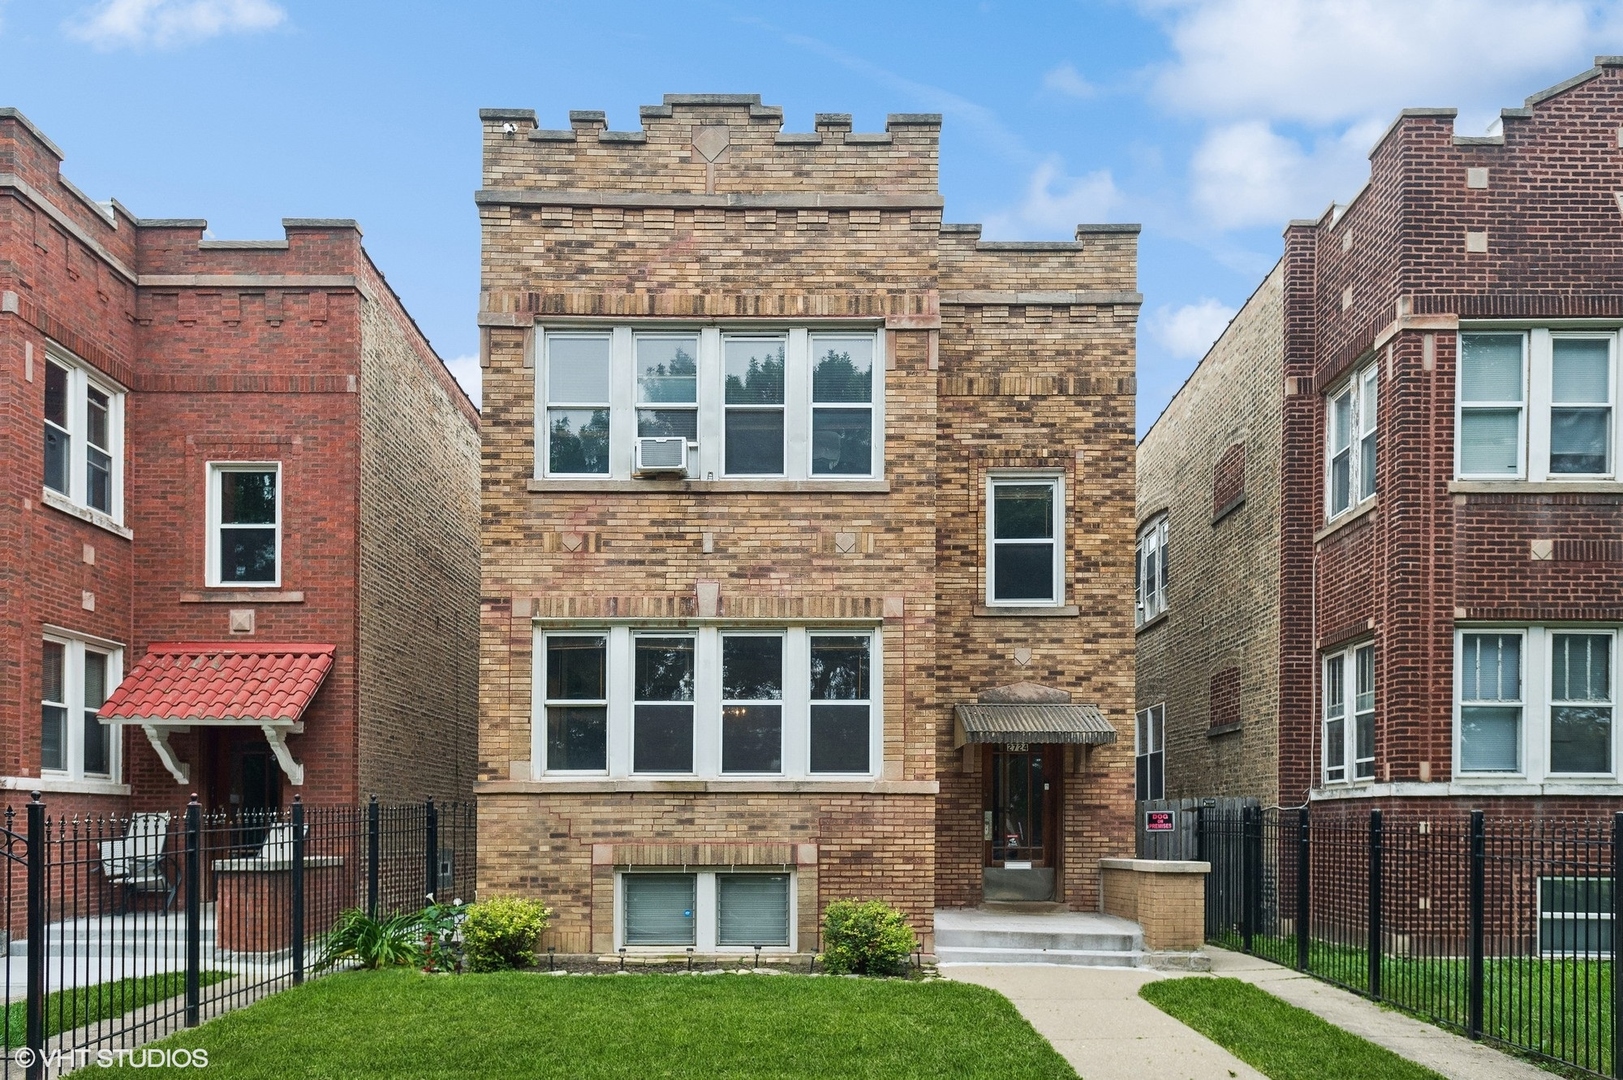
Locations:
(1454, 1056)
(1096, 1020)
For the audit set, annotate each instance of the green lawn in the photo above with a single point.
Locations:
(1279, 1040)
(69, 1009)
(1559, 1008)
(400, 1023)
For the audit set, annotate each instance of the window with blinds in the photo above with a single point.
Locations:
(752, 909)
(659, 908)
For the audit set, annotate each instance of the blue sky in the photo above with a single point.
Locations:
(1212, 122)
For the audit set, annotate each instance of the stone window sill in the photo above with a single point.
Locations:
(1361, 513)
(1159, 618)
(62, 785)
(1229, 508)
(1536, 487)
(244, 596)
(1069, 611)
(56, 501)
(621, 785)
(699, 487)
(1223, 729)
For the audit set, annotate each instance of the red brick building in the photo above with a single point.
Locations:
(1425, 397)
(238, 481)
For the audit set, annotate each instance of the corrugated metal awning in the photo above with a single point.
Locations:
(1032, 724)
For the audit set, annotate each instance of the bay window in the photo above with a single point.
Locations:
(1150, 572)
(1349, 714)
(76, 676)
(83, 437)
(1351, 433)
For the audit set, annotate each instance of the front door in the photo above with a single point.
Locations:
(1020, 830)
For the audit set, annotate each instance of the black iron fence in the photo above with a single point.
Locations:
(1500, 929)
(122, 929)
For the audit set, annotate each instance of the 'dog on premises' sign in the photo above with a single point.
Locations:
(1160, 821)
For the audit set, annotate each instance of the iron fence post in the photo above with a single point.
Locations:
(432, 850)
(1376, 838)
(374, 835)
(194, 921)
(1250, 828)
(1303, 872)
(1617, 966)
(1479, 859)
(298, 890)
(1200, 856)
(35, 1023)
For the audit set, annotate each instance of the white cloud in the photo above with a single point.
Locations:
(1246, 173)
(1322, 61)
(1054, 204)
(1187, 332)
(167, 23)
(466, 370)
(1066, 80)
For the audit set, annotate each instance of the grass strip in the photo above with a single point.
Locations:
(80, 1005)
(1276, 1038)
(394, 1024)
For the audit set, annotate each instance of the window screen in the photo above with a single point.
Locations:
(659, 908)
(752, 909)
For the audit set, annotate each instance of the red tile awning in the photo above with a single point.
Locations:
(203, 682)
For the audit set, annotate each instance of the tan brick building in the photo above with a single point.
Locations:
(807, 533)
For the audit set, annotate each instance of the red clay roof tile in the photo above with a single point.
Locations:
(209, 680)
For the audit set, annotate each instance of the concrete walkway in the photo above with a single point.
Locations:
(1096, 1020)
(1454, 1056)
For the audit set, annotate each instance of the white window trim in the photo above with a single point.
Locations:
(1002, 477)
(1535, 703)
(1545, 948)
(708, 458)
(212, 522)
(1347, 657)
(81, 377)
(619, 678)
(706, 911)
(1360, 428)
(1147, 607)
(74, 647)
(1538, 371)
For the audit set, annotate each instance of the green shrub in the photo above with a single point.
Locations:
(501, 933)
(359, 938)
(866, 937)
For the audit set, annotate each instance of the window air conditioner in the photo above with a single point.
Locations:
(661, 456)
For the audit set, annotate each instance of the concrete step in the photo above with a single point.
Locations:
(1113, 958)
(1024, 939)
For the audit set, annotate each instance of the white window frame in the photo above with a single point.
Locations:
(619, 675)
(1154, 721)
(1362, 389)
(706, 910)
(1345, 661)
(1545, 947)
(1536, 682)
(82, 378)
(216, 469)
(1538, 375)
(1150, 549)
(1017, 478)
(707, 458)
(74, 649)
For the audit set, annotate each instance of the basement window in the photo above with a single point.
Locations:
(706, 910)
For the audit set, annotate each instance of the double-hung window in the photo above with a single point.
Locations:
(707, 909)
(1150, 572)
(1025, 541)
(1349, 714)
(716, 703)
(577, 416)
(244, 524)
(1575, 915)
(75, 679)
(1351, 431)
(1537, 404)
(1491, 701)
(1149, 749)
(84, 424)
(1581, 699)
(754, 403)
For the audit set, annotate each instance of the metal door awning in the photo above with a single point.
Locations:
(1028, 723)
(179, 685)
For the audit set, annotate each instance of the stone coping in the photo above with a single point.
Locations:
(273, 866)
(1157, 866)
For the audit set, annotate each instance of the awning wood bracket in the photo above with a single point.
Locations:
(158, 736)
(276, 735)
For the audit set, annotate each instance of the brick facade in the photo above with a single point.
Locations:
(710, 218)
(1510, 232)
(292, 351)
